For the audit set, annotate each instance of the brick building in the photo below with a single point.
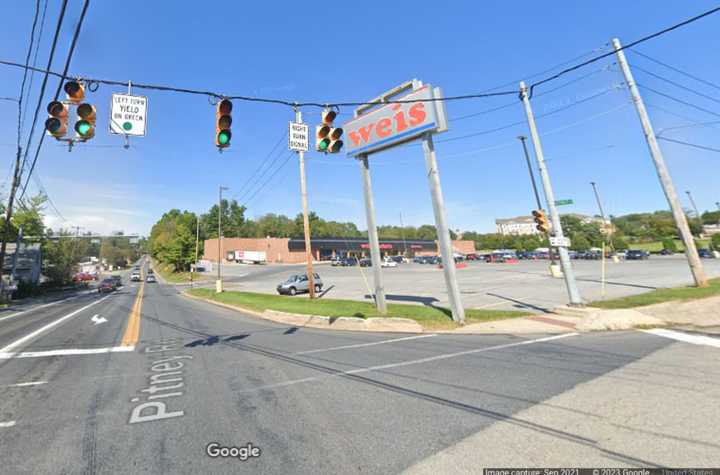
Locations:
(293, 250)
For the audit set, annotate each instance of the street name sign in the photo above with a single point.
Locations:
(128, 115)
(559, 241)
(298, 137)
(396, 123)
(563, 202)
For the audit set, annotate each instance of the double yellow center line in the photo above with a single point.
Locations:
(132, 332)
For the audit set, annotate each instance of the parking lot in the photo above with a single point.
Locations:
(524, 285)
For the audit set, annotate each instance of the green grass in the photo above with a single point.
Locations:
(662, 295)
(429, 317)
(167, 273)
(656, 246)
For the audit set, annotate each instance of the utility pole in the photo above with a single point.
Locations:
(443, 233)
(602, 212)
(402, 234)
(306, 219)
(218, 283)
(197, 243)
(373, 240)
(696, 267)
(8, 216)
(692, 202)
(568, 274)
(523, 139)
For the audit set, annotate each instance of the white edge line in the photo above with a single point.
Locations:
(361, 345)
(7, 424)
(49, 325)
(49, 304)
(29, 383)
(411, 362)
(66, 352)
(680, 336)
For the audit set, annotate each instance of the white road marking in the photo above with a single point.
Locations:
(97, 319)
(67, 352)
(411, 362)
(29, 383)
(32, 335)
(7, 424)
(687, 338)
(50, 304)
(360, 345)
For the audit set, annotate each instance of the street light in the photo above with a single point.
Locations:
(218, 283)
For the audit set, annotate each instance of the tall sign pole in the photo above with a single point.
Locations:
(306, 220)
(373, 240)
(568, 273)
(443, 233)
(219, 283)
(696, 267)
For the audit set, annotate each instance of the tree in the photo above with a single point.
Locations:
(29, 216)
(715, 241)
(172, 239)
(579, 242)
(61, 255)
(233, 220)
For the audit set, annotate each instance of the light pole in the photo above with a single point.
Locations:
(218, 284)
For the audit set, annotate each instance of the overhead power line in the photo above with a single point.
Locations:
(702, 147)
(680, 101)
(35, 57)
(629, 45)
(673, 68)
(676, 84)
(290, 103)
(282, 165)
(262, 164)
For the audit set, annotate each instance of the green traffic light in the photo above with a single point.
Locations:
(83, 127)
(223, 137)
(324, 144)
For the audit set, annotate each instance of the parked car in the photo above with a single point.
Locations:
(299, 283)
(706, 253)
(365, 262)
(107, 285)
(349, 262)
(400, 259)
(83, 277)
(388, 262)
(472, 257)
(150, 279)
(635, 255)
(336, 261)
(495, 258)
(419, 259)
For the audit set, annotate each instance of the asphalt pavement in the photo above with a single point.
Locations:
(143, 380)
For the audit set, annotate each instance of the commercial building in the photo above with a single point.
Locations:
(293, 250)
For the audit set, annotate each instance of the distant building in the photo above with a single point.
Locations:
(29, 262)
(710, 229)
(517, 226)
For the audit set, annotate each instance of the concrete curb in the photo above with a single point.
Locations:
(394, 325)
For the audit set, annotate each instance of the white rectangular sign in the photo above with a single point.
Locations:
(298, 137)
(559, 241)
(128, 114)
(392, 124)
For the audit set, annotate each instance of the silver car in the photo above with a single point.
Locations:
(299, 283)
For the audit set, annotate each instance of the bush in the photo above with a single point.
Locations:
(716, 241)
(669, 244)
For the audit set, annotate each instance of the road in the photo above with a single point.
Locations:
(142, 380)
(526, 285)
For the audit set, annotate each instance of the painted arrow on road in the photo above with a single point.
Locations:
(97, 319)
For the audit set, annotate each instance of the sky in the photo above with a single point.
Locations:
(353, 52)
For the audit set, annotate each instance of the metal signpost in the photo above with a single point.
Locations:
(379, 126)
(298, 140)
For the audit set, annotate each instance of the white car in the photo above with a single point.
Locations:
(387, 262)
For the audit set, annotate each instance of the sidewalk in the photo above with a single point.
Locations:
(698, 313)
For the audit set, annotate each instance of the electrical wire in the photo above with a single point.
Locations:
(680, 116)
(702, 147)
(262, 164)
(259, 177)
(34, 63)
(673, 68)
(282, 165)
(627, 46)
(678, 85)
(78, 26)
(689, 104)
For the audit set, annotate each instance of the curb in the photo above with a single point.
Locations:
(374, 324)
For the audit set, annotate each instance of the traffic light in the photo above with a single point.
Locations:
(541, 220)
(327, 137)
(56, 123)
(85, 125)
(223, 122)
(75, 91)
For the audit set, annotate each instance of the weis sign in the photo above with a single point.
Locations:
(393, 124)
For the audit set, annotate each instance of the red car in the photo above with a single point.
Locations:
(83, 277)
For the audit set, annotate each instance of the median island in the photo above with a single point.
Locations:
(429, 317)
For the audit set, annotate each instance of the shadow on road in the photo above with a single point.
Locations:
(519, 303)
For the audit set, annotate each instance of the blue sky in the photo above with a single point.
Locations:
(285, 50)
